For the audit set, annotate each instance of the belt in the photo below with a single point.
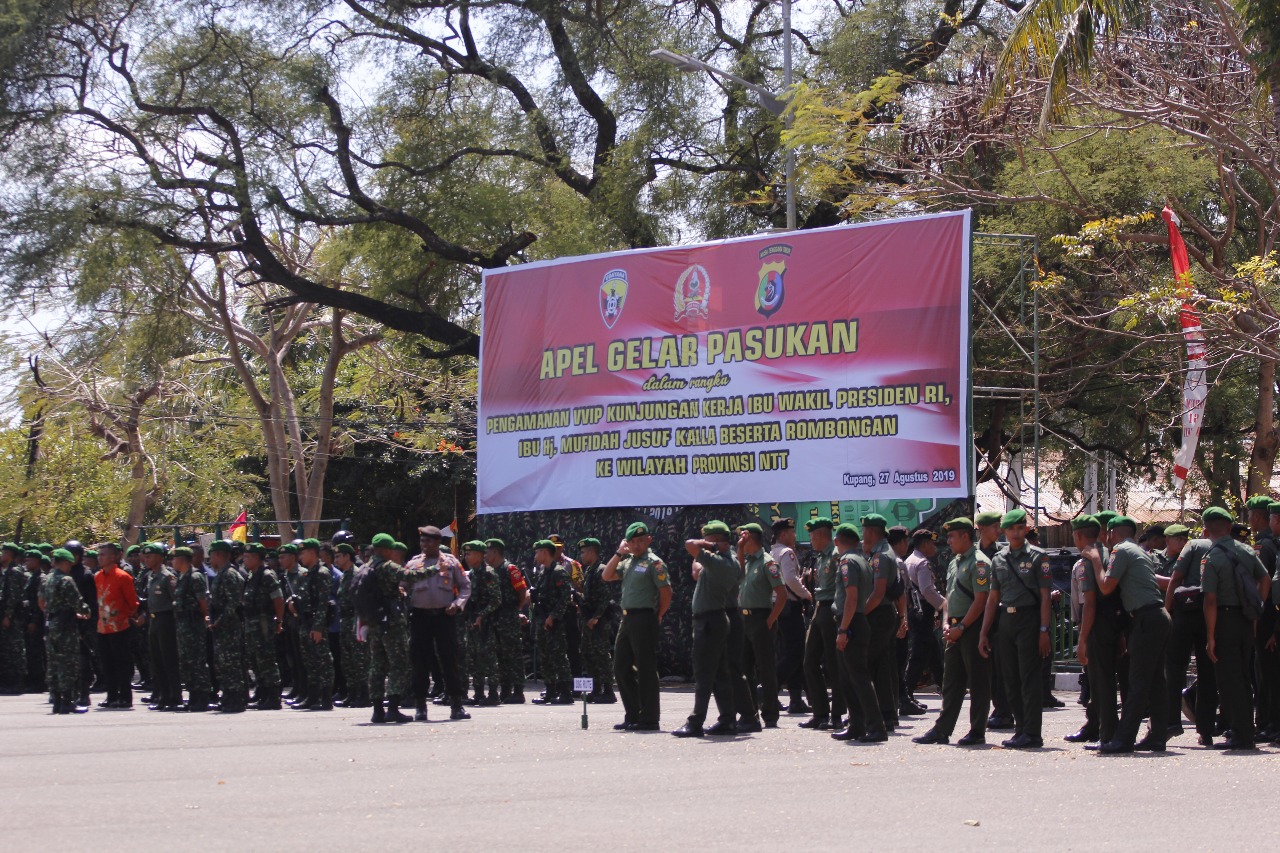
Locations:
(1229, 607)
(627, 611)
(708, 613)
(747, 611)
(1024, 608)
(1144, 608)
(821, 603)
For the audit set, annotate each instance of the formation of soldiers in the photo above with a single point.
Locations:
(868, 615)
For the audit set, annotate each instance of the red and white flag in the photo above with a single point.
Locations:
(1196, 388)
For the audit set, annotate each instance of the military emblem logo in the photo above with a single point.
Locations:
(613, 296)
(773, 267)
(693, 293)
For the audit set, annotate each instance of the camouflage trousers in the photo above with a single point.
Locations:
(62, 645)
(553, 652)
(482, 655)
(37, 654)
(140, 649)
(228, 658)
(597, 651)
(260, 648)
(193, 659)
(388, 659)
(318, 662)
(464, 652)
(13, 657)
(509, 647)
(355, 655)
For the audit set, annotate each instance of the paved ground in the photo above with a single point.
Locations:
(528, 778)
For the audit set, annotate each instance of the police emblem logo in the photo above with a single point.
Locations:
(773, 267)
(693, 293)
(613, 296)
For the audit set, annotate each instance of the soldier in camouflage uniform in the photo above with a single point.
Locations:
(13, 653)
(554, 598)
(292, 661)
(226, 609)
(313, 617)
(486, 598)
(508, 643)
(355, 654)
(38, 571)
(264, 614)
(65, 609)
(600, 612)
(140, 639)
(191, 610)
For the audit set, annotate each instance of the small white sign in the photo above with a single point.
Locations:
(584, 685)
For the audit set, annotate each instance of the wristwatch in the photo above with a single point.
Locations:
(1044, 629)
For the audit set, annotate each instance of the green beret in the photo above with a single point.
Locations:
(1012, 517)
(63, 554)
(849, 531)
(961, 523)
(716, 527)
(400, 546)
(1122, 521)
(474, 545)
(221, 546)
(875, 519)
(1274, 509)
(544, 543)
(154, 548)
(34, 552)
(45, 548)
(1259, 502)
(753, 528)
(1080, 522)
(1177, 530)
(496, 543)
(589, 542)
(1216, 513)
(820, 521)
(988, 517)
(133, 549)
(1104, 517)
(91, 553)
(256, 548)
(344, 548)
(384, 540)
(637, 528)
(183, 551)
(288, 548)
(313, 544)
(12, 546)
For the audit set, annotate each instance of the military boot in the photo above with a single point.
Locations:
(549, 696)
(456, 711)
(270, 700)
(420, 712)
(393, 711)
(478, 699)
(607, 697)
(493, 699)
(324, 699)
(517, 694)
(379, 713)
(564, 696)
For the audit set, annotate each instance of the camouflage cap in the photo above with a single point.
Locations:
(716, 527)
(637, 528)
(820, 521)
(474, 545)
(63, 554)
(383, 540)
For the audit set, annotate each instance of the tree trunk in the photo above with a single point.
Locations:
(1266, 439)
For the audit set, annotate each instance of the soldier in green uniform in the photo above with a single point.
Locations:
(226, 621)
(761, 609)
(554, 595)
(506, 621)
(1101, 629)
(882, 615)
(646, 595)
(1268, 638)
(1266, 653)
(191, 610)
(388, 629)
(821, 660)
(1230, 634)
(1020, 590)
(854, 592)
(264, 615)
(36, 569)
(313, 619)
(486, 597)
(355, 654)
(140, 639)
(599, 615)
(1132, 571)
(963, 666)
(13, 653)
(716, 572)
(289, 649)
(64, 609)
(162, 586)
(987, 525)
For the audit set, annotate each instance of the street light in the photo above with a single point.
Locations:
(768, 100)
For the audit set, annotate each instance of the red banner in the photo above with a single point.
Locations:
(1195, 389)
(830, 364)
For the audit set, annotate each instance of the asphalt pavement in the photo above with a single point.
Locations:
(523, 777)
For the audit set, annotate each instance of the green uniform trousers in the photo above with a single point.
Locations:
(964, 668)
(635, 665)
(822, 664)
(759, 661)
(1019, 640)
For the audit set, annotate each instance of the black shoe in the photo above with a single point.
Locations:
(458, 712)
(1237, 745)
(770, 724)
(911, 708)
(1022, 742)
(379, 713)
(551, 697)
(689, 729)
(439, 700)
(1001, 724)
(1115, 747)
(420, 713)
(393, 711)
(1053, 702)
(798, 707)
(624, 726)
(972, 739)
(847, 733)
(818, 723)
(1206, 740)
(105, 704)
(646, 727)
(1148, 744)
(874, 737)
(1085, 735)
(1173, 731)
(723, 729)
(321, 705)
(931, 737)
(749, 725)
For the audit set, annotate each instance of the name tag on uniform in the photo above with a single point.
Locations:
(641, 569)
